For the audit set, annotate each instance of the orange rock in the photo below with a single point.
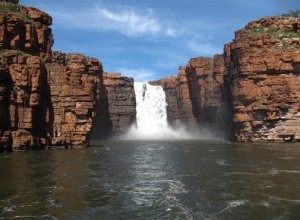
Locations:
(268, 92)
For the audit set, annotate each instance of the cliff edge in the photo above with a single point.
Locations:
(251, 92)
(51, 98)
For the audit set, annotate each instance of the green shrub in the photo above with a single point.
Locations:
(6, 52)
(7, 7)
(274, 32)
(295, 13)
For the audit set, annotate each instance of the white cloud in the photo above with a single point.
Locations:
(139, 75)
(128, 22)
(131, 22)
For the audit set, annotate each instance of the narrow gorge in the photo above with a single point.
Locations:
(250, 93)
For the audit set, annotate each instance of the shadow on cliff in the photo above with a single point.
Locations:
(102, 125)
(43, 114)
(212, 120)
(6, 89)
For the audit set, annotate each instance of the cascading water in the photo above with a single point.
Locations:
(151, 117)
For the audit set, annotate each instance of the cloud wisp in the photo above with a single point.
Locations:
(131, 22)
(128, 22)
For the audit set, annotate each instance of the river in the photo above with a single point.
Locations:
(153, 180)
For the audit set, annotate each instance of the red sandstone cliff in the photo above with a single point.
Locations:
(74, 82)
(50, 99)
(117, 108)
(252, 91)
(25, 42)
(263, 67)
(195, 96)
(46, 98)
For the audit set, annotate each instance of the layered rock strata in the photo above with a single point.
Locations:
(179, 103)
(52, 98)
(24, 101)
(121, 101)
(25, 29)
(195, 96)
(252, 91)
(263, 63)
(25, 43)
(74, 82)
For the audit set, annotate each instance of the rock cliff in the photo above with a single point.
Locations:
(263, 67)
(116, 111)
(74, 82)
(180, 109)
(251, 91)
(52, 98)
(25, 43)
(195, 96)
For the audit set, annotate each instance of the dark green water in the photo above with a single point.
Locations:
(153, 180)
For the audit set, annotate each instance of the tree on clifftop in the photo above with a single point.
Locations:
(295, 13)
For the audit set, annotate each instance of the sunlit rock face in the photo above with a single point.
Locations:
(251, 92)
(24, 96)
(27, 30)
(25, 43)
(74, 82)
(52, 98)
(263, 66)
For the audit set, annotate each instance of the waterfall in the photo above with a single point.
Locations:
(151, 117)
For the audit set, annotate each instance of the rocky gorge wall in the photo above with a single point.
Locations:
(263, 67)
(195, 96)
(251, 92)
(52, 98)
(117, 107)
(25, 42)
(248, 94)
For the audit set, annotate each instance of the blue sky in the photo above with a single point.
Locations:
(149, 39)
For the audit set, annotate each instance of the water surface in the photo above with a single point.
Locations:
(153, 180)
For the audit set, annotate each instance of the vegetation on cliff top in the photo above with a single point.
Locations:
(295, 13)
(7, 7)
(6, 53)
(280, 34)
(274, 32)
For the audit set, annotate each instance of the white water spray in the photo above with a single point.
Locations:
(151, 117)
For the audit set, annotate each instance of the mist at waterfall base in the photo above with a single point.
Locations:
(151, 118)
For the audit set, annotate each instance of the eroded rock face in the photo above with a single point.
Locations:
(24, 101)
(263, 63)
(206, 79)
(121, 101)
(26, 29)
(52, 99)
(195, 95)
(252, 91)
(178, 97)
(74, 82)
